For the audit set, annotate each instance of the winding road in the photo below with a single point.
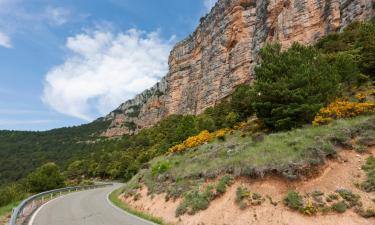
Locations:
(90, 207)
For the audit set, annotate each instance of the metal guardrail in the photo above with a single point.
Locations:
(32, 201)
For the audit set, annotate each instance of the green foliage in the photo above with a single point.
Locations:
(22, 152)
(241, 102)
(241, 195)
(45, 178)
(292, 85)
(160, 168)
(358, 41)
(283, 153)
(350, 198)
(195, 201)
(339, 207)
(231, 119)
(114, 198)
(223, 183)
(369, 167)
(294, 200)
(11, 193)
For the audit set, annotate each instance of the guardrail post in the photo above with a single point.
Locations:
(33, 205)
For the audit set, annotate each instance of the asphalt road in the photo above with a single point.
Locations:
(84, 208)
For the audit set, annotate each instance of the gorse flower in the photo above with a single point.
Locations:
(343, 108)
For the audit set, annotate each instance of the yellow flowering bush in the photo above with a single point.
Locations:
(192, 142)
(342, 108)
(362, 96)
(220, 134)
(310, 209)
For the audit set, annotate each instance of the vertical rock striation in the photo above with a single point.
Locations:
(221, 54)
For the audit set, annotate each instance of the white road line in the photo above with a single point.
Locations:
(127, 213)
(41, 207)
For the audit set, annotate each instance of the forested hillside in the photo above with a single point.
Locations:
(22, 152)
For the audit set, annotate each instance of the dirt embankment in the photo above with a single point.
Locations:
(344, 172)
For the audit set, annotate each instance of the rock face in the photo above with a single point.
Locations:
(221, 54)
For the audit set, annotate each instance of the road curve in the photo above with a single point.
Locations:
(84, 208)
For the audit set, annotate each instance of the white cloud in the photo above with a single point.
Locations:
(5, 41)
(105, 69)
(209, 4)
(57, 15)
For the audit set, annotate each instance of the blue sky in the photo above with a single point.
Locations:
(68, 62)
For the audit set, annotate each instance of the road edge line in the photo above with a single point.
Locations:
(124, 211)
(31, 221)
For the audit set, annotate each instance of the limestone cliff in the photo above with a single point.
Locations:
(221, 54)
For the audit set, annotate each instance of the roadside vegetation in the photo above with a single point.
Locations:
(114, 198)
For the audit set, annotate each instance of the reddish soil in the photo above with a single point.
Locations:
(344, 172)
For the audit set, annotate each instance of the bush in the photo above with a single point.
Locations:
(193, 141)
(351, 198)
(341, 109)
(46, 177)
(292, 85)
(223, 183)
(358, 40)
(369, 167)
(339, 207)
(241, 102)
(294, 200)
(231, 119)
(160, 168)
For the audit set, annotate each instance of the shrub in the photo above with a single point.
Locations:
(294, 200)
(195, 201)
(244, 198)
(241, 101)
(160, 168)
(191, 142)
(220, 134)
(369, 167)
(231, 119)
(309, 209)
(351, 198)
(46, 177)
(332, 197)
(339, 207)
(292, 85)
(370, 213)
(241, 195)
(358, 39)
(223, 183)
(342, 108)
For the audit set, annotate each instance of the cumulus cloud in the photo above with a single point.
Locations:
(103, 70)
(209, 4)
(5, 41)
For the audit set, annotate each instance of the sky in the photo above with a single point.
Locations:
(65, 63)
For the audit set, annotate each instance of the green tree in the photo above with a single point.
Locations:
(241, 101)
(46, 177)
(291, 86)
(231, 119)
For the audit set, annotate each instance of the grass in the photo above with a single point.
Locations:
(8, 208)
(113, 197)
(294, 200)
(369, 167)
(292, 154)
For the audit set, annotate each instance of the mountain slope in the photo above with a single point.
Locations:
(221, 54)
